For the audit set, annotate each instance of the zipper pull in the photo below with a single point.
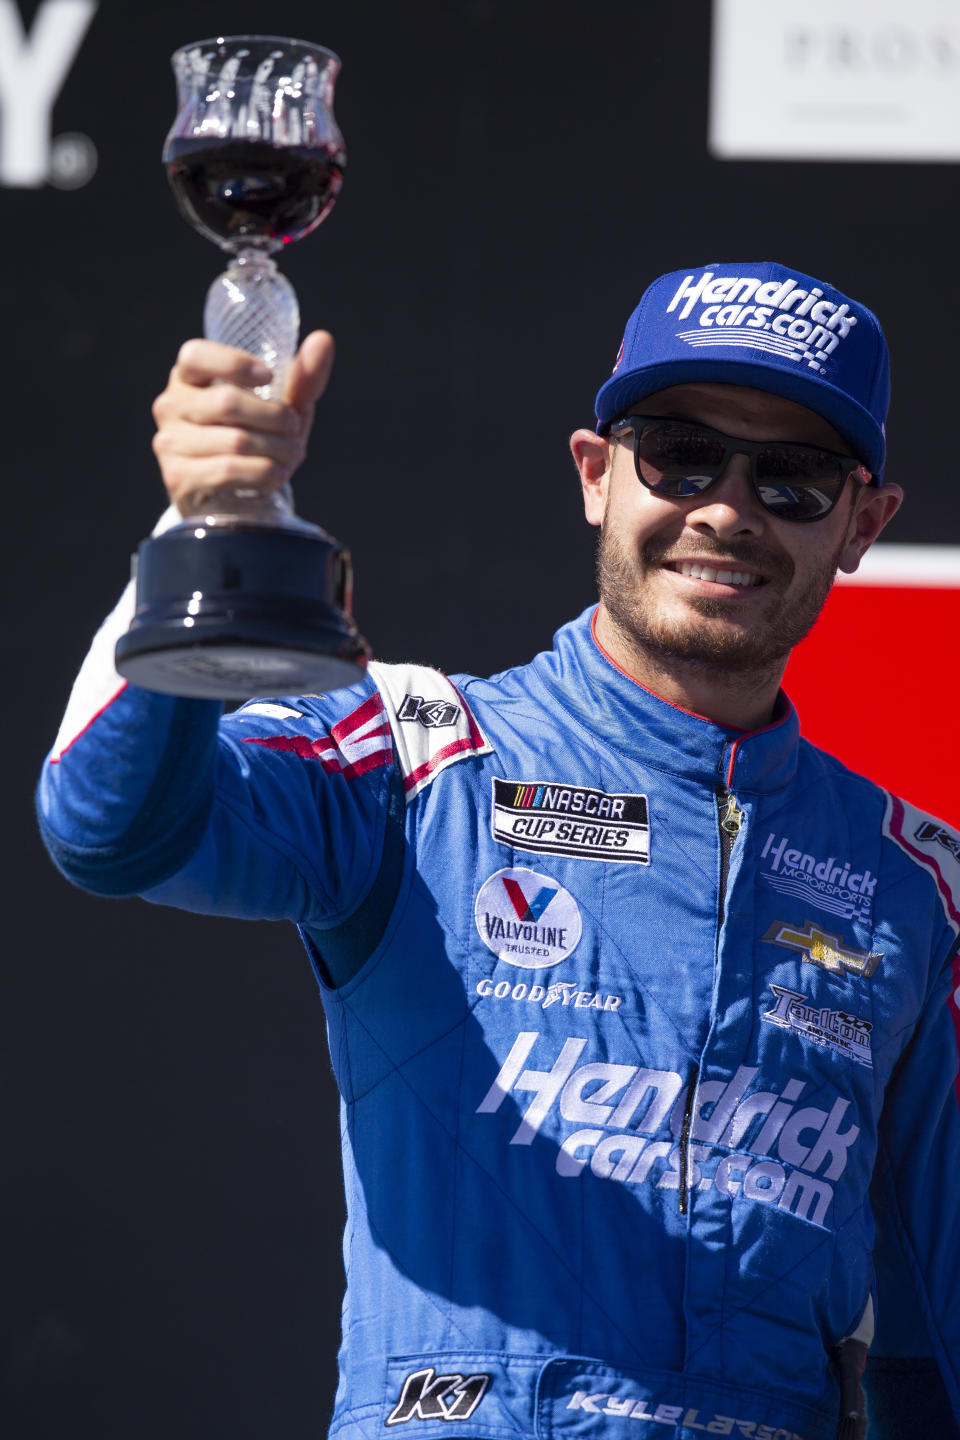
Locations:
(731, 818)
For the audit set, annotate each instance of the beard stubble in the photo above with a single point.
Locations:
(748, 653)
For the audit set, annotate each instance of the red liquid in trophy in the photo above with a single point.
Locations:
(248, 190)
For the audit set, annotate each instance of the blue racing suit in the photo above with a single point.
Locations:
(638, 1023)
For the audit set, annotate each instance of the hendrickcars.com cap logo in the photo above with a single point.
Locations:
(777, 316)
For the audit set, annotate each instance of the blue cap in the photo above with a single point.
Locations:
(766, 326)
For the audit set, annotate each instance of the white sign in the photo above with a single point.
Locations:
(935, 567)
(835, 80)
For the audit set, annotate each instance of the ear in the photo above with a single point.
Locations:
(873, 510)
(591, 455)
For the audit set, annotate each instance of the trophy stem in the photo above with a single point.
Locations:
(252, 306)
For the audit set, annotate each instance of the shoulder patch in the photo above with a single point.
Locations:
(931, 844)
(431, 722)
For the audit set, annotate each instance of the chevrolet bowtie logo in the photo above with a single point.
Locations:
(823, 949)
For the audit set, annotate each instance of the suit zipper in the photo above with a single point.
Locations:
(729, 818)
(682, 1197)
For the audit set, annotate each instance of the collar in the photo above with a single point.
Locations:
(606, 701)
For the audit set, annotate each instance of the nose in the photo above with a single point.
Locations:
(729, 507)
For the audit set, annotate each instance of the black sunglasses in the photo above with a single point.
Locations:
(681, 458)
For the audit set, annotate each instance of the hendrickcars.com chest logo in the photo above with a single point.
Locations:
(635, 1125)
(527, 919)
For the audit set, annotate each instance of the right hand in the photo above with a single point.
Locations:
(220, 436)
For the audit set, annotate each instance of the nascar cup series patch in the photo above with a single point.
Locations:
(574, 820)
(527, 919)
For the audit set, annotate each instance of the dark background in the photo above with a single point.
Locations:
(518, 172)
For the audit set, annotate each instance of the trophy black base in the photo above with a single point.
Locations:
(229, 611)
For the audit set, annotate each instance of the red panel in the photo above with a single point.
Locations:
(877, 683)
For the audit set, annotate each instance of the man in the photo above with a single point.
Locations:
(632, 995)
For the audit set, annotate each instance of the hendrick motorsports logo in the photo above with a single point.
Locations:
(571, 820)
(835, 1030)
(830, 884)
(527, 919)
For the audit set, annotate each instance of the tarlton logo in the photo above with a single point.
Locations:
(629, 1407)
(831, 884)
(527, 919)
(431, 714)
(836, 1030)
(725, 1140)
(429, 1396)
(823, 949)
(772, 316)
(558, 819)
(564, 993)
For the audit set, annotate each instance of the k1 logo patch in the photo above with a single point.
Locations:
(429, 1396)
(931, 830)
(527, 919)
(557, 819)
(431, 714)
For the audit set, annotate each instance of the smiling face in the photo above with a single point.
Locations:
(713, 591)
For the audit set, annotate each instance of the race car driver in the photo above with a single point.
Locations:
(685, 1025)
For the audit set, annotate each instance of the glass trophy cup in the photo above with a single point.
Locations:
(243, 597)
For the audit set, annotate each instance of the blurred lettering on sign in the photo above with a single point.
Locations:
(835, 80)
(33, 68)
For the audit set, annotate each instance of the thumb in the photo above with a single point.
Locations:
(310, 372)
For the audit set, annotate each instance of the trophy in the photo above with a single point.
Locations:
(243, 597)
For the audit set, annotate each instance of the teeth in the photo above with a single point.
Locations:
(722, 577)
